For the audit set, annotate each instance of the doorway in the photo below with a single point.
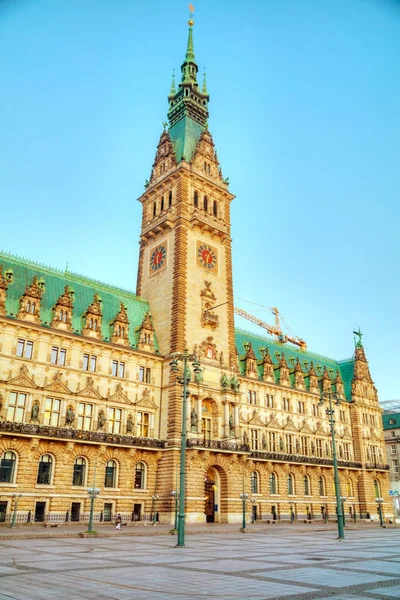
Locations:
(137, 512)
(75, 511)
(3, 511)
(107, 515)
(209, 500)
(40, 508)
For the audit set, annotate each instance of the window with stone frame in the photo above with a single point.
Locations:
(24, 348)
(273, 484)
(254, 439)
(272, 441)
(393, 449)
(290, 483)
(114, 420)
(8, 467)
(289, 443)
(89, 362)
(118, 368)
(45, 470)
(304, 445)
(307, 485)
(254, 482)
(140, 476)
(58, 356)
(16, 407)
(322, 486)
(85, 416)
(252, 397)
(318, 447)
(79, 473)
(269, 401)
(301, 407)
(145, 374)
(285, 404)
(110, 478)
(52, 409)
(143, 424)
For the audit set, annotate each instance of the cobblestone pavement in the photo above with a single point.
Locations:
(282, 563)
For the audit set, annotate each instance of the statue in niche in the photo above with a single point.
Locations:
(35, 412)
(245, 439)
(235, 384)
(70, 416)
(231, 422)
(264, 442)
(101, 420)
(297, 446)
(129, 424)
(224, 381)
(193, 420)
(281, 447)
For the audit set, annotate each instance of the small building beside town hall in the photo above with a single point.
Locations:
(88, 399)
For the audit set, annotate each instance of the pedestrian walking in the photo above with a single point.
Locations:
(118, 522)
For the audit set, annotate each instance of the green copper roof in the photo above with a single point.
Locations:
(185, 135)
(84, 290)
(346, 367)
(391, 420)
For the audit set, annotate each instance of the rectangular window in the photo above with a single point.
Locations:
(393, 449)
(254, 439)
(24, 348)
(301, 407)
(285, 404)
(251, 397)
(304, 445)
(269, 401)
(395, 464)
(114, 420)
(118, 369)
(272, 441)
(145, 374)
(365, 419)
(89, 362)
(319, 448)
(52, 412)
(316, 410)
(346, 451)
(206, 428)
(85, 413)
(16, 407)
(372, 420)
(143, 420)
(58, 356)
(289, 443)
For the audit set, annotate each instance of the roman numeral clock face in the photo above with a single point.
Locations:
(158, 258)
(206, 256)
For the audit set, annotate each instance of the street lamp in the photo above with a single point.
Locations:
(343, 500)
(154, 498)
(16, 496)
(379, 502)
(175, 500)
(243, 498)
(329, 395)
(185, 358)
(93, 492)
(291, 511)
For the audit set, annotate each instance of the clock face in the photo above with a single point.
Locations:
(207, 256)
(158, 257)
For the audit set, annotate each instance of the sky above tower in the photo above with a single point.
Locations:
(304, 113)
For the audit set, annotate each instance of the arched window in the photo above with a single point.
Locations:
(196, 199)
(140, 476)
(377, 488)
(45, 470)
(322, 486)
(215, 209)
(273, 484)
(349, 487)
(79, 476)
(290, 484)
(110, 479)
(162, 203)
(170, 199)
(307, 486)
(7, 467)
(205, 203)
(254, 481)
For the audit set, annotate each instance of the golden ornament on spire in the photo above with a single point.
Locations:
(191, 11)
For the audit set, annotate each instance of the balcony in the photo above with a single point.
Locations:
(296, 458)
(66, 433)
(377, 466)
(216, 445)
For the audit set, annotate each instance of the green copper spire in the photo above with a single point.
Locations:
(173, 91)
(204, 90)
(188, 112)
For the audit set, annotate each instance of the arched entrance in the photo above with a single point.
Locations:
(212, 496)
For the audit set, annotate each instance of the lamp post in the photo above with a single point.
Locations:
(16, 496)
(175, 500)
(379, 502)
(154, 498)
(343, 500)
(185, 358)
(329, 395)
(291, 511)
(243, 498)
(93, 492)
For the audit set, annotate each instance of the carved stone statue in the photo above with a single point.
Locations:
(129, 424)
(193, 420)
(224, 381)
(234, 383)
(70, 416)
(35, 412)
(264, 442)
(198, 377)
(231, 422)
(101, 420)
(245, 439)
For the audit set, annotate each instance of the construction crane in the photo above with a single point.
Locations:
(274, 330)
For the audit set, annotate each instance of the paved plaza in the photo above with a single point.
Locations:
(298, 563)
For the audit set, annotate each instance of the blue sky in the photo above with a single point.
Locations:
(305, 115)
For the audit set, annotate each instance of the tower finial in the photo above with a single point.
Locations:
(358, 343)
(204, 89)
(173, 90)
(191, 11)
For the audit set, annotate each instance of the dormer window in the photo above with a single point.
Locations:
(93, 316)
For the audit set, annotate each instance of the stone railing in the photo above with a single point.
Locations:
(216, 445)
(54, 518)
(67, 433)
(378, 466)
(296, 458)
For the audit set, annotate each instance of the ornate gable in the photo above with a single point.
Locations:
(290, 426)
(145, 401)
(120, 327)
(273, 422)
(362, 384)
(120, 396)
(268, 373)
(93, 318)
(313, 378)
(57, 386)
(89, 391)
(255, 419)
(298, 376)
(165, 158)
(205, 157)
(22, 379)
(250, 360)
(326, 382)
(62, 311)
(29, 305)
(146, 334)
(319, 430)
(283, 371)
(305, 428)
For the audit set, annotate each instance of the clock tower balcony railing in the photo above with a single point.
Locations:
(208, 222)
(68, 433)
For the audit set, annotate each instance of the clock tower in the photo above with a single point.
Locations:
(185, 263)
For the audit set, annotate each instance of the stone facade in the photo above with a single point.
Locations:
(88, 399)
